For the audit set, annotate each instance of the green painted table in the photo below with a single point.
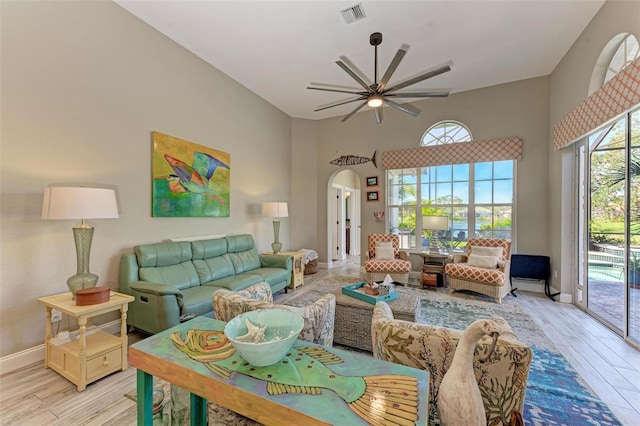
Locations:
(312, 385)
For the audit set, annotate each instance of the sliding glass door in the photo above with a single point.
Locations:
(634, 228)
(609, 199)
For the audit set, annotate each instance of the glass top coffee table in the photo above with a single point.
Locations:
(312, 385)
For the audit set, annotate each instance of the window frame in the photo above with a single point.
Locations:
(405, 198)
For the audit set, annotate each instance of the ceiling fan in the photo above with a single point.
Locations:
(376, 94)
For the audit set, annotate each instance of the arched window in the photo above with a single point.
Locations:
(616, 55)
(446, 132)
(477, 197)
(626, 53)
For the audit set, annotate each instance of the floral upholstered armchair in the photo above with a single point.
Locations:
(385, 258)
(318, 316)
(483, 269)
(502, 379)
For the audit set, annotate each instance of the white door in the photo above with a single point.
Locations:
(335, 223)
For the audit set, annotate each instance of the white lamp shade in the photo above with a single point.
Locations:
(275, 209)
(74, 202)
(435, 223)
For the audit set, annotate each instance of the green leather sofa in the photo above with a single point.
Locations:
(169, 280)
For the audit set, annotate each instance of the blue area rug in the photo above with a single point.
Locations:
(556, 394)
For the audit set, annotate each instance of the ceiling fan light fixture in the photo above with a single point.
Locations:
(374, 101)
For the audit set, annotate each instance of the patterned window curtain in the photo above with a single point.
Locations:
(455, 153)
(616, 96)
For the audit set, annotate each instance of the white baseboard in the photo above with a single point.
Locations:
(21, 359)
(35, 354)
(564, 297)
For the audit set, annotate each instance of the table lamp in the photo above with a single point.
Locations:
(79, 202)
(435, 224)
(276, 210)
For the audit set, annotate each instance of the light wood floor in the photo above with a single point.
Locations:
(34, 395)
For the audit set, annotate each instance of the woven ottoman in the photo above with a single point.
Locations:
(353, 318)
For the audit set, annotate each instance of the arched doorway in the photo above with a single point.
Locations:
(343, 215)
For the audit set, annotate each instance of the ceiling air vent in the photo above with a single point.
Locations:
(353, 14)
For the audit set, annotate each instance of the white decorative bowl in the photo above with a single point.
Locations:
(283, 328)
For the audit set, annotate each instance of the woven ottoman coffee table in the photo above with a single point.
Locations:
(353, 318)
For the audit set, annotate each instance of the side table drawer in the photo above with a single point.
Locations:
(104, 364)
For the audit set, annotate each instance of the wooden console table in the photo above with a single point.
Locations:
(359, 390)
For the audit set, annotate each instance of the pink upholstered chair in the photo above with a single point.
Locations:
(385, 258)
(492, 280)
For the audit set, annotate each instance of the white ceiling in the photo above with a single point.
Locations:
(276, 48)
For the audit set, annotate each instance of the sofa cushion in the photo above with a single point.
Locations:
(272, 275)
(163, 254)
(395, 265)
(384, 253)
(487, 276)
(214, 268)
(197, 300)
(490, 262)
(182, 275)
(235, 282)
(239, 243)
(497, 252)
(205, 249)
(245, 260)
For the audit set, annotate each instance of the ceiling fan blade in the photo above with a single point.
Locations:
(339, 103)
(419, 95)
(348, 116)
(354, 76)
(402, 107)
(378, 112)
(392, 68)
(353, 92)
(419, 78)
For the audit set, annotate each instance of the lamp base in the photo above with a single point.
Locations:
(433, 247)
(81, 281)
(276, 247)
(82, 235)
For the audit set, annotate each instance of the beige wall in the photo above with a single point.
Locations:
(83, 86)
(514, 109)
(569, 86)
(304, 194)
(347, 178)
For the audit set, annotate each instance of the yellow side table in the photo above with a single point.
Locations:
(90, 355)
(297, 272)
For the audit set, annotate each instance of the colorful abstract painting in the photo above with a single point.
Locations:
(189, 180)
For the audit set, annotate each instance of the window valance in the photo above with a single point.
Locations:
(615, 97)
(455, 153)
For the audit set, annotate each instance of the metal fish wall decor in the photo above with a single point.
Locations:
(352, 160)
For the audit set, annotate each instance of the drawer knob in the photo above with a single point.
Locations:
(105, 361)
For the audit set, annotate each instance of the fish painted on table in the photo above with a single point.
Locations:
(379, 400)
(352, 160)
